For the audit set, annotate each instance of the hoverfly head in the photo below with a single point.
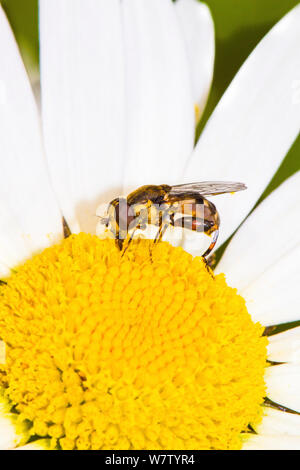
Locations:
(120, 216)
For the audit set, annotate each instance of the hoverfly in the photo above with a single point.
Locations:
(182, 205)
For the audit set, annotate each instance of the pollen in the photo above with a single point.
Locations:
(197, 113)
(143, 351)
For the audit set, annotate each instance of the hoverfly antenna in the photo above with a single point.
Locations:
(103, 220)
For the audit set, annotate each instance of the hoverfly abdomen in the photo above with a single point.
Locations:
(194, 223)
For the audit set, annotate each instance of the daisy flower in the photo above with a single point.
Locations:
(100, 351)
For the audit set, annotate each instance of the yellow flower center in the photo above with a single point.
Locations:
(144, 351)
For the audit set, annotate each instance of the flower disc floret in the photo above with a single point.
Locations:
(144, 351)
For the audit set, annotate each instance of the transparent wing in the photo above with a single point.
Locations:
(207, 188)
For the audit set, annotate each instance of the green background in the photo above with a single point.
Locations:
(239, 25)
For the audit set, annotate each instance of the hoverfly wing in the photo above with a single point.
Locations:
(207, 188)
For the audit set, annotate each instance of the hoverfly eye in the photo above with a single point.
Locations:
(124, 214)
(121, 213)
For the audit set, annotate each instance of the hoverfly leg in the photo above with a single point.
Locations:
(119, 243)
(128, 241)
(172, 219)
(160, 233)
(158, 237)
(165, 219)
(213, 243)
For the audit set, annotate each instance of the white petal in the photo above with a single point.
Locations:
(265, 442)
(8, 436)
(274, 297)
(82, 79)
(277, 422)
(262, 259)
(285, 347)
(270, 232)
(41, 444)
(283, 385)
(254, 124)
(192, 242)
(14, 248)
(198, 30)
(160, 114)
(172, 235)
(29, 216)
(195, 243)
